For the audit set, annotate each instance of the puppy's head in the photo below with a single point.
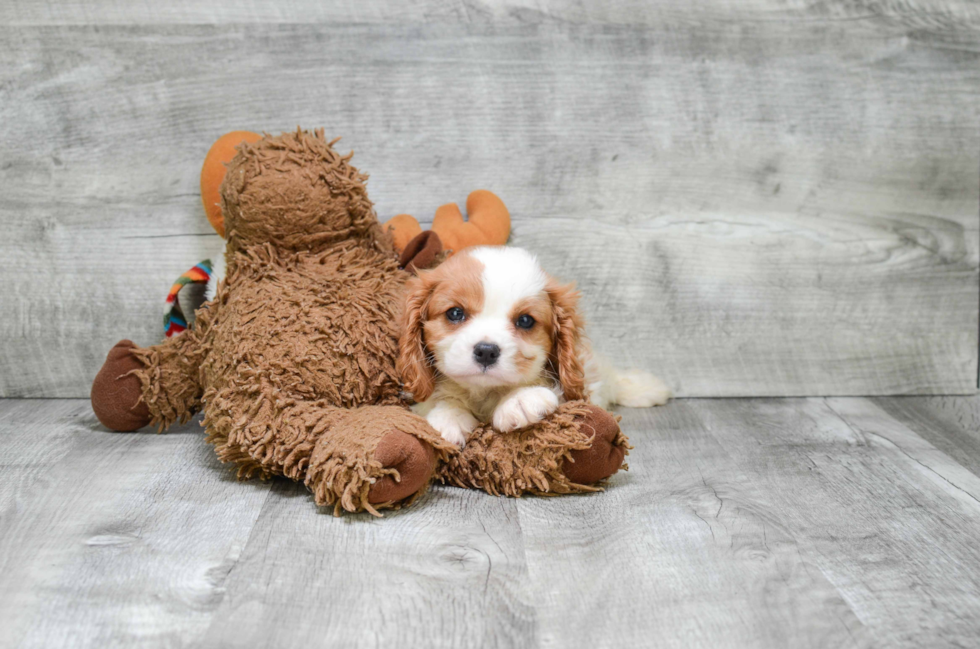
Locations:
(490, 317)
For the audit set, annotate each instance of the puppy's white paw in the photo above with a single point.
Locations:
(453, 423)
(523, 407)
(636, 389)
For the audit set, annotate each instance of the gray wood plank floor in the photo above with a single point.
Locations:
(742, 523)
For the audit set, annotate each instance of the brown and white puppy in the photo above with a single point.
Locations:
(488, 336)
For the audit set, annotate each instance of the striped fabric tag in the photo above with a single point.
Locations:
(174, 319)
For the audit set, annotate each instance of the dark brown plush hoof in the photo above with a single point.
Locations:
(606, 454)
(421, 252)
(116, 394)
(414, 460)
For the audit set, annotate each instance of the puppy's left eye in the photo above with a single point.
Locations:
(524, 322)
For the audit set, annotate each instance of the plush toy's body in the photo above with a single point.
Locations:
(294, 359)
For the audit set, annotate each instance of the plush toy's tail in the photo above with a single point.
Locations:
(184, 298)
(189, 293)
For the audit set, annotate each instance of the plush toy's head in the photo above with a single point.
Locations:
(295, 191)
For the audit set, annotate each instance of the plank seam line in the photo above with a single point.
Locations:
(898, 447)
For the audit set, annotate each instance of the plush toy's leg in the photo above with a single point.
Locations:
(171, 377)
(604, 456)
(116, 391)
(365, 458)
(568, 452)
(159, 384)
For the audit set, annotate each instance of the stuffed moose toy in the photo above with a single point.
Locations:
(293, 361)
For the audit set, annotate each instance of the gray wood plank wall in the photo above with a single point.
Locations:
(758, 198)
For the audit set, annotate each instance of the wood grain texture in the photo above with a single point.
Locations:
(915, 503)
(764, 523)
(758, 198)
(109, 539)
(741, 523)
(950, 15)
(450, 572)
(688, 548)
(951, 425)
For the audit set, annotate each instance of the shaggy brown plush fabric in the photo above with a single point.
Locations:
(294, 358)
(577, 446)
(293, 361)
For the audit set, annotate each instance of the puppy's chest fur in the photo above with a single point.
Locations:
(481, 404)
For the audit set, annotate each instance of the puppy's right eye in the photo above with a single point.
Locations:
(455, 314)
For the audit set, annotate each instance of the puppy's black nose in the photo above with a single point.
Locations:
(486, 354)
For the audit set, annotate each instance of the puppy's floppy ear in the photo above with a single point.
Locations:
(566, 334)
(413, 363)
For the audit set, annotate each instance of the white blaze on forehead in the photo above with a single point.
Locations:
(509, 275)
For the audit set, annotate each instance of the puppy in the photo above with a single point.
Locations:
(488, 336)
